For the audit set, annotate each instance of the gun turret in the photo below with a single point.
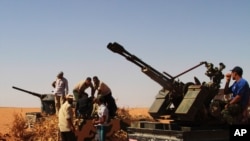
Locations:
(47, 100)
(173, 91)
(187, 102)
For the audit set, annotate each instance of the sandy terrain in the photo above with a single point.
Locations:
(7, 115)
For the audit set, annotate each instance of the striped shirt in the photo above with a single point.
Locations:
(61, 87)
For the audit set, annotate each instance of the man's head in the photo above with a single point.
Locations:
(69, 98)
(96, 80)
(60, 74)
(88, 80)
(236, 73)
(237, 70)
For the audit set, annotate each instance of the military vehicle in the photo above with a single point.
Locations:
(47, 106)
(194, 108)
(47, 101)
(85, 129)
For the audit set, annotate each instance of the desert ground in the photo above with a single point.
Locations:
(7, 115)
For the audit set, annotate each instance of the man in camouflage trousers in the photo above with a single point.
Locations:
(235, 111)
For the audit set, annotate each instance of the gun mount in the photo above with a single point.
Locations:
(47, 101)
(183, 101)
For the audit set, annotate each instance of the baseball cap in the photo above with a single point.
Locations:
(238, 70)
(69, 96)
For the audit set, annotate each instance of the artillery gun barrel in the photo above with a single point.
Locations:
(32, 93)
(201, 63)
(160, 78)
(117, 48)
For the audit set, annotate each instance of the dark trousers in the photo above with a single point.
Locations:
(111, 105)
(68, 136)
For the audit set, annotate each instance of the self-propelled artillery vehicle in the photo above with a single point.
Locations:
(194, 107)
(47, 101)
(47, 106)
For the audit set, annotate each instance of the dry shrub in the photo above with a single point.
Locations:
(46, 129)
(123, 113)
(19, 127)
(120, 135)
(5, 137)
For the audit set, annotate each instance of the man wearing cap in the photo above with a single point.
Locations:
(65, 118)
(236, 109)
(60, 89)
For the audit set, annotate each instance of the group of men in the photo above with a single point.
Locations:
(83, 100)
(235, 111)
(84, 104)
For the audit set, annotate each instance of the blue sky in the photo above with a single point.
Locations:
(38, 39)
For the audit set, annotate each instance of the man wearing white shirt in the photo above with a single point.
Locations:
(102, 121)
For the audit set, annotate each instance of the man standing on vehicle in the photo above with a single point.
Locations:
(105, 92)
(60, 89)
(81, 86)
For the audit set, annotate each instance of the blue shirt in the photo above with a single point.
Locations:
(241, 88)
